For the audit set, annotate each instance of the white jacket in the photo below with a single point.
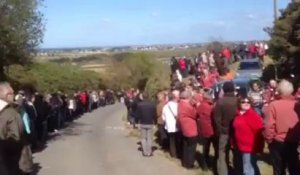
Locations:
(179, 76)
(169, 116)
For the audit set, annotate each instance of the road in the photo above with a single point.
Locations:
(98, 143)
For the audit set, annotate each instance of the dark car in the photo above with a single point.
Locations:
(250, 69)
(242, 86)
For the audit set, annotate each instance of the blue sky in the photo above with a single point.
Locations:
(85, 23)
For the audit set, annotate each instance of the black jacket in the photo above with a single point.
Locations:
(146, 112)
(224, 113)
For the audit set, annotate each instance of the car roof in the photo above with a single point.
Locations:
(250, 61)
(237, 81)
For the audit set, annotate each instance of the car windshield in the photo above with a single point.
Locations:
(249, 65)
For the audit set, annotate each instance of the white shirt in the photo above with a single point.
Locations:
(212, 62)
(266, 47)
(3, 104)
(204, 58)
(179, 76)
(169, 110)
(95, 98)
(71, 104)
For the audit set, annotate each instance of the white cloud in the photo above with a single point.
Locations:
(251, 16)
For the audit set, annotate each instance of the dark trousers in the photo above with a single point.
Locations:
(207, 142)
(189, 151)
(42, 131)
(162, 136)
(175, 144)
(284, 155)
(298, 149)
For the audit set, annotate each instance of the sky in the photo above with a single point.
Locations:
(95, 23)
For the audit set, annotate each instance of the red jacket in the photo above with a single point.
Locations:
(205, 122)
(248, 132)
(187, 119)
(182, 64)
(252, 49)
(226, 53)
(83, 98)
(215, 77)
(281, 121)
(198, 97)
(207, 82)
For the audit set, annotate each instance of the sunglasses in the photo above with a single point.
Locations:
(245, 102)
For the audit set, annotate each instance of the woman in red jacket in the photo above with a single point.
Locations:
(205, 123)
(247, 136)
(187, 120)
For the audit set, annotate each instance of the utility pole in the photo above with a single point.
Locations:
(275, 11)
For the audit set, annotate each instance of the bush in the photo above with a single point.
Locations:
(51, 77)
(160, 80)
(128, 70)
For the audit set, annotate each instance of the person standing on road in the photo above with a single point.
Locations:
(256, 96)
(42, 109)
(16, 150)
(206, 130)
(226, 53)
(270, 93)
(223, 115)
(137, 98)
(182, 67)
(247, 136)
(170, 117)
(281, 132)
(162, 134)
(146, 115)
(174, 65)
(188, 125)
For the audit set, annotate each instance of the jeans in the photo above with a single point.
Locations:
(189, 151)
(250, 164)
(258, 110)
(223, 155)
(284, 155)
(146, 133)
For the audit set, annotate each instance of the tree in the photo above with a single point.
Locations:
(21, 31)
(285, 39)
(138, 70)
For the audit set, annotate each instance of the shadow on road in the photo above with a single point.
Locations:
(73, 129)
(154, 148)
(40, 148)
(36, 169)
